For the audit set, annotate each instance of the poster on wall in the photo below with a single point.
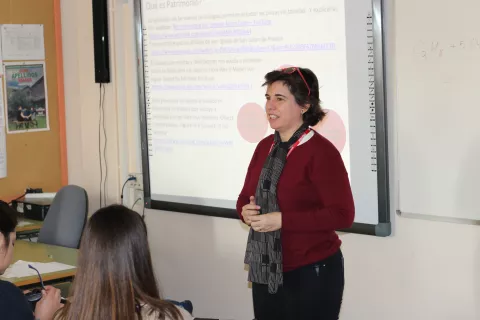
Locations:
(26, 98)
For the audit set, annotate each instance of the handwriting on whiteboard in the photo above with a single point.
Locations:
(437, 49)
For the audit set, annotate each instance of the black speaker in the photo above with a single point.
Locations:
(100, 41)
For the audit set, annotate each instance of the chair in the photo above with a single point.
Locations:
(66, 218)
(185, 304)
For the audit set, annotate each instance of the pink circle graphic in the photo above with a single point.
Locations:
(252, 122)
(333, 128)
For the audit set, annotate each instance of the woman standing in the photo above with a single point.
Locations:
(296, 194)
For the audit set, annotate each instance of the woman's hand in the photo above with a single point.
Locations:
(49, 304)
(250, 210)
(267, 222)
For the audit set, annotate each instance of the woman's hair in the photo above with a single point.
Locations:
(115, 275)
(8, 221)
(292, 78)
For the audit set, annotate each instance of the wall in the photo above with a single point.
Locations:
(426, 270)
(82, 97)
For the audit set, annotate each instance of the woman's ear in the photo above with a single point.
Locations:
(304, 108)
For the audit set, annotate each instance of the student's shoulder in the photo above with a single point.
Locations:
(185, 314)
(13, 303)
(8, 288)
(148, 315)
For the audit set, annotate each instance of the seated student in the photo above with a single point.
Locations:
(13, 304)
(114, 278)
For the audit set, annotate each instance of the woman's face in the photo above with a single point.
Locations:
(6, 252)
(283, 112)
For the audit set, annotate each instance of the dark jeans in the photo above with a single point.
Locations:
(310, 292)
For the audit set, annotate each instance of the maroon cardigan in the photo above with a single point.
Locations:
(314, 197)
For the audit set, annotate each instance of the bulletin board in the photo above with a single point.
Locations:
(37, 159)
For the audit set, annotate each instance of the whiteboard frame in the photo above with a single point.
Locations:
(423, 216)
(382, 229)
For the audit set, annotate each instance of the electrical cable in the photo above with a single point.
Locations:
(124, 184)
(104, 149)
(136, 202)
(23, 195)
(100, 142)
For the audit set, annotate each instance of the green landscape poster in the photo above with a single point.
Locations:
(26, 97)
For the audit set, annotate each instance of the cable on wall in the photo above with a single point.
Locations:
(104, 149)
(100, 141)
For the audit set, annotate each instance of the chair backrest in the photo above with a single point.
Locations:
(66, 218)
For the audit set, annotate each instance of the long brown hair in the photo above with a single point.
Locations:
(115, 276)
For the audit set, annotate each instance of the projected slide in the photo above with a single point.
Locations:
(204, 65)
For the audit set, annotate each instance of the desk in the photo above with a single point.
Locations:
(33, 208)
(33, 227)
(39, 252)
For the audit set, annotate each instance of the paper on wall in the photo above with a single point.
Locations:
(2, 105)
(3, 140)
(22, 42)
(3, 153)
(1, 61)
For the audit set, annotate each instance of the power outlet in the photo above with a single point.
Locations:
(135, 191)
(138, 182)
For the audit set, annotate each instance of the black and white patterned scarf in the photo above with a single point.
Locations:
(264, 249)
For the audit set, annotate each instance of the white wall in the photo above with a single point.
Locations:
(82, 97)
(426, 270)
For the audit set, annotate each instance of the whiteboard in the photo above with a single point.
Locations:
(201, 68)
(438, 108)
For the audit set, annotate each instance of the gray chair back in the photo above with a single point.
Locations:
(66, 218)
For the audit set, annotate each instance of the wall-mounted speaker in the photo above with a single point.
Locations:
(100, 41)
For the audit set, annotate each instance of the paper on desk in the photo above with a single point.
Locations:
(20, 268)
(24, 223)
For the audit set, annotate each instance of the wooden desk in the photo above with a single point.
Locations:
(22, 206)
(33, 227)
(39, 252)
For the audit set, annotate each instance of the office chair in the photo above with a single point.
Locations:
(66, 218)
(185, 304)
